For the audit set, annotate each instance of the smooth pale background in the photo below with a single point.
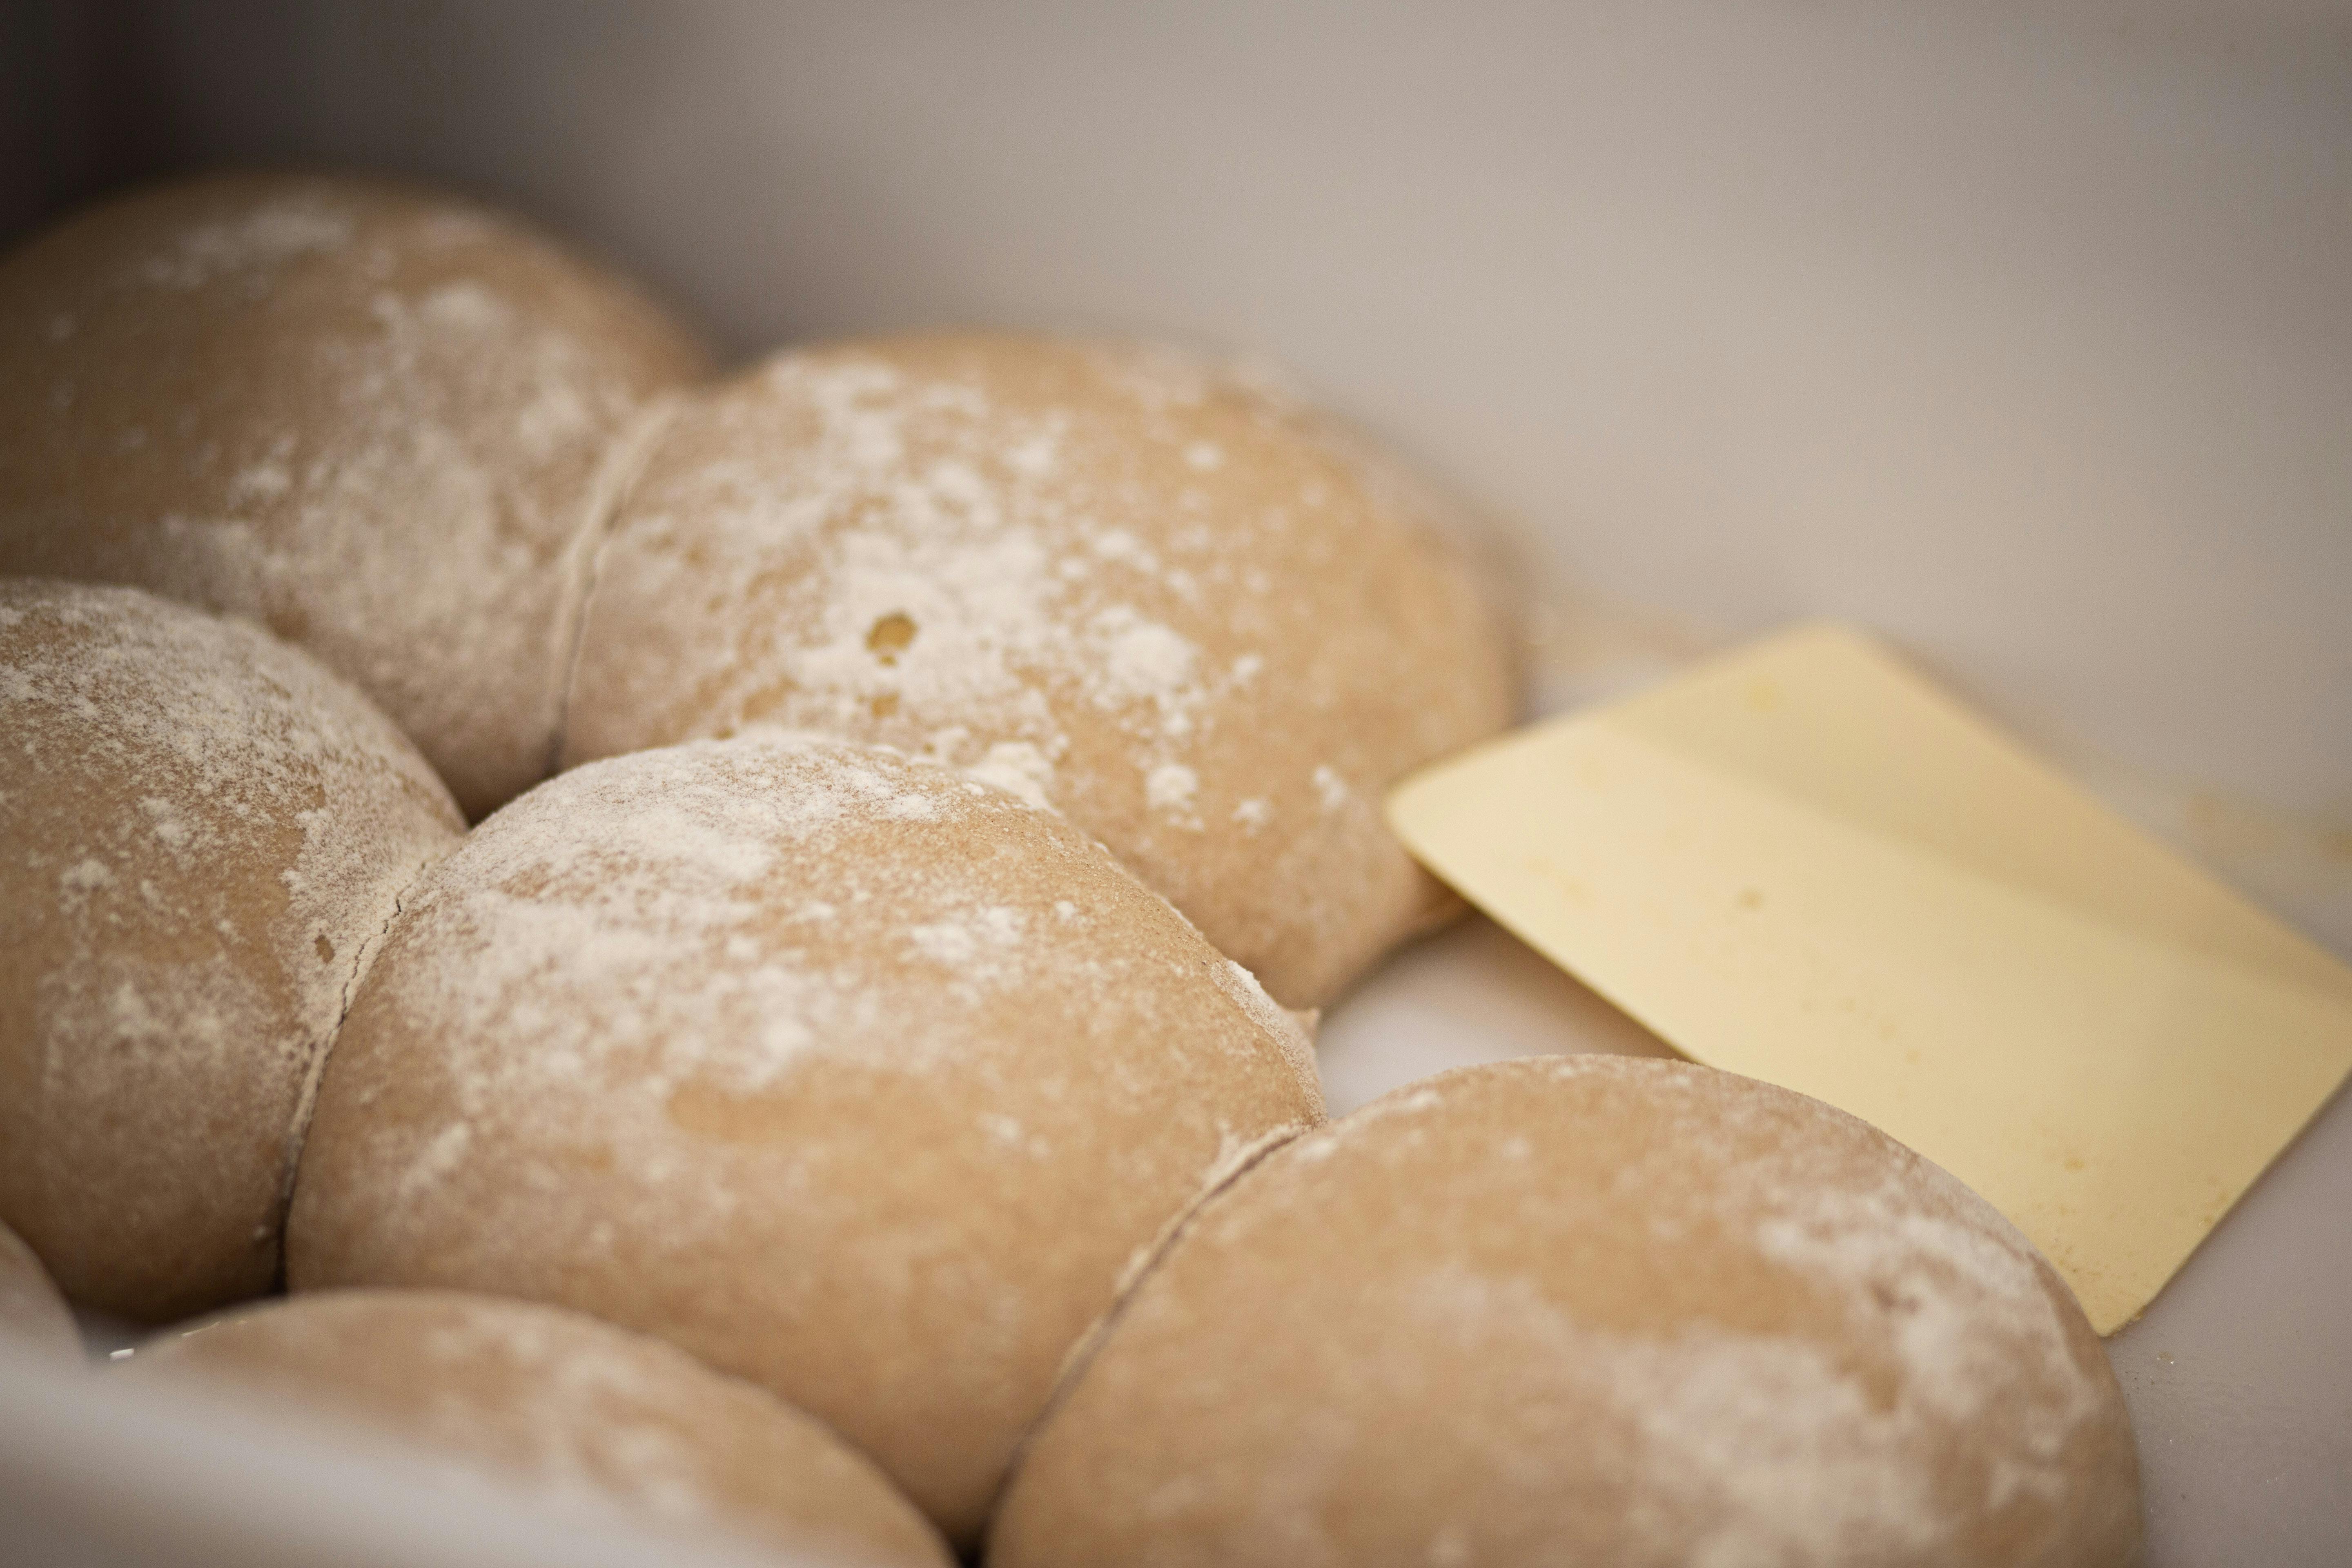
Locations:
(2021, 331)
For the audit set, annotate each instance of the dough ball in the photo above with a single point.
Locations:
(1588, 1310)
(1113, 580)
(852, 1076)
(31, 1311)
(372, 417)
(202, 835)
(563, 1405)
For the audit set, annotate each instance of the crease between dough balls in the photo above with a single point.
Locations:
(202, 835)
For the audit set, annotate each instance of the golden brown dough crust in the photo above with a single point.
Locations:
(366, 413)
(202, 833)
(854, 1076)
(563, 1405)
(1178, 608)
(1588, 1310)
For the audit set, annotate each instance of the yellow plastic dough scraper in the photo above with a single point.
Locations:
(1805, 863)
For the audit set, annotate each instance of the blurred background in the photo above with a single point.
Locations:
(2022, 331)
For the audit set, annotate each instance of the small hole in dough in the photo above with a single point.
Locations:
(890, 636)
(326, 949)
(884, 705)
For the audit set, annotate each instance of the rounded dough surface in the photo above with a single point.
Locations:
(369, 415)
(202, 835)
(561, 1404)
(1588, 1310)
(31, 1309)
(1181, 611)
(852, 1076)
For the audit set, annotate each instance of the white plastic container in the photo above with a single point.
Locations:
(2023, 333)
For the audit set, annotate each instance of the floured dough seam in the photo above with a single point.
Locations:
(246, 715)
(1231, 1166)
(583, 561)
(306, 1103)
(1289, 1029)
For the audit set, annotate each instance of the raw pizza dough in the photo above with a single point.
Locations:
(855, 1077)
(566, 1408)
(1184, 611)
(379, 419)
(1588, 1310)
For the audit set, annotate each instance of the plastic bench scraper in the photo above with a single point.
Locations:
(1805, 862)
